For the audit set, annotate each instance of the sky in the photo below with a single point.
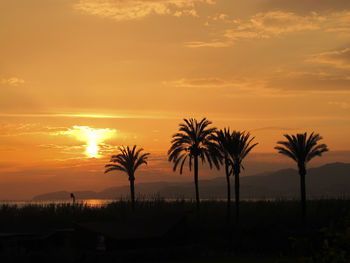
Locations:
(78, 78)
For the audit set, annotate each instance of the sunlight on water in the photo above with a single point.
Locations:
(104, 202)
(88, 202)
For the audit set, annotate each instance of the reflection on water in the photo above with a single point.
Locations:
(105, 202)
(88, 202)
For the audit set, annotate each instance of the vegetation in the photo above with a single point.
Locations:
(302, 149)
(236, 146)
(193, 141)
(268, 229)
(222, 139)
(128, 160)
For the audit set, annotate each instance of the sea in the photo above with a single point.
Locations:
(87, 202)
(104, 202)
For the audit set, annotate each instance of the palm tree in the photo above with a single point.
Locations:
(128, 160)
(73, 198)
(240, 145)
(223, 139)
(194, 140)
(302, 149)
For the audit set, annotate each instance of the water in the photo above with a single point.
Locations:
(100, 202)
(104, 202)
(87, 202)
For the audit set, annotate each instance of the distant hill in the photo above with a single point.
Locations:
(330, 180)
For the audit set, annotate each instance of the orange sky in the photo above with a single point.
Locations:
(135, 68)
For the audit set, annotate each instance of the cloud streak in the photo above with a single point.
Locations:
(338, 58)
(121, 10)
(13, 81)
(272, 24)
(277, 84)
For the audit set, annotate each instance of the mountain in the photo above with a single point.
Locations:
(64, 195)
(330, 180)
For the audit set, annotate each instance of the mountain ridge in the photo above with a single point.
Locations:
(329, 180)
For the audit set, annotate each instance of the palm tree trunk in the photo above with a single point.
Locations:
(302, 173)
(237, 172)
(132, 192)
(228, 192)
(196, 181)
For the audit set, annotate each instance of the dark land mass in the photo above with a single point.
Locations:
(161, 231)
(327, 181)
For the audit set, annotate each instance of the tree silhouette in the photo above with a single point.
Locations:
(73, 197)
(128, 160)
(194, 140)
(302, 149)
(223, 140)
(240, 145)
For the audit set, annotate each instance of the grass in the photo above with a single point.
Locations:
(269, 231)
(248, 260)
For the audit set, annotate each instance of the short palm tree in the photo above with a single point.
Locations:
(239, 146)
(193, 141)
(302, 149)
(73, 198)
(128, 160)
(223, 139)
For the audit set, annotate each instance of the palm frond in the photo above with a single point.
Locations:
(301, 147)
(127, 160)
(239, 145)
(193, 139)
(113, 167)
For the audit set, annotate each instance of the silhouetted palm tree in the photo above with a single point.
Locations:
(302, 149)
(73, 198)
(239, 146)
(128, 160)
(223, 140)
(194, 140)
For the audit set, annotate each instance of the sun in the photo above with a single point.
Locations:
(93, 138)
(92, 150)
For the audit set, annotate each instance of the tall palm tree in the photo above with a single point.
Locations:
(240, 145)
(302, 149)
(223, 139)
(193, 141)
(128, 160)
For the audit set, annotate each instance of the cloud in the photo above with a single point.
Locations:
(271, 24)
(275, 128)
(338, 58)
(309, 82)
(124, 115)
(80, 137)
(198, 83)
(238, 83)
(305, 6)
(23, 129)
(196, 44)
(78, 151)
(343, 105)
(14, 81)
(275, 85)
(238, 87)
(66, 149)
(121, 10)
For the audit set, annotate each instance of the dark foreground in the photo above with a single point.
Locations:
(159, 231)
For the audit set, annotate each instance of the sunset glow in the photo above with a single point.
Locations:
(79, 78)
(92, 137)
